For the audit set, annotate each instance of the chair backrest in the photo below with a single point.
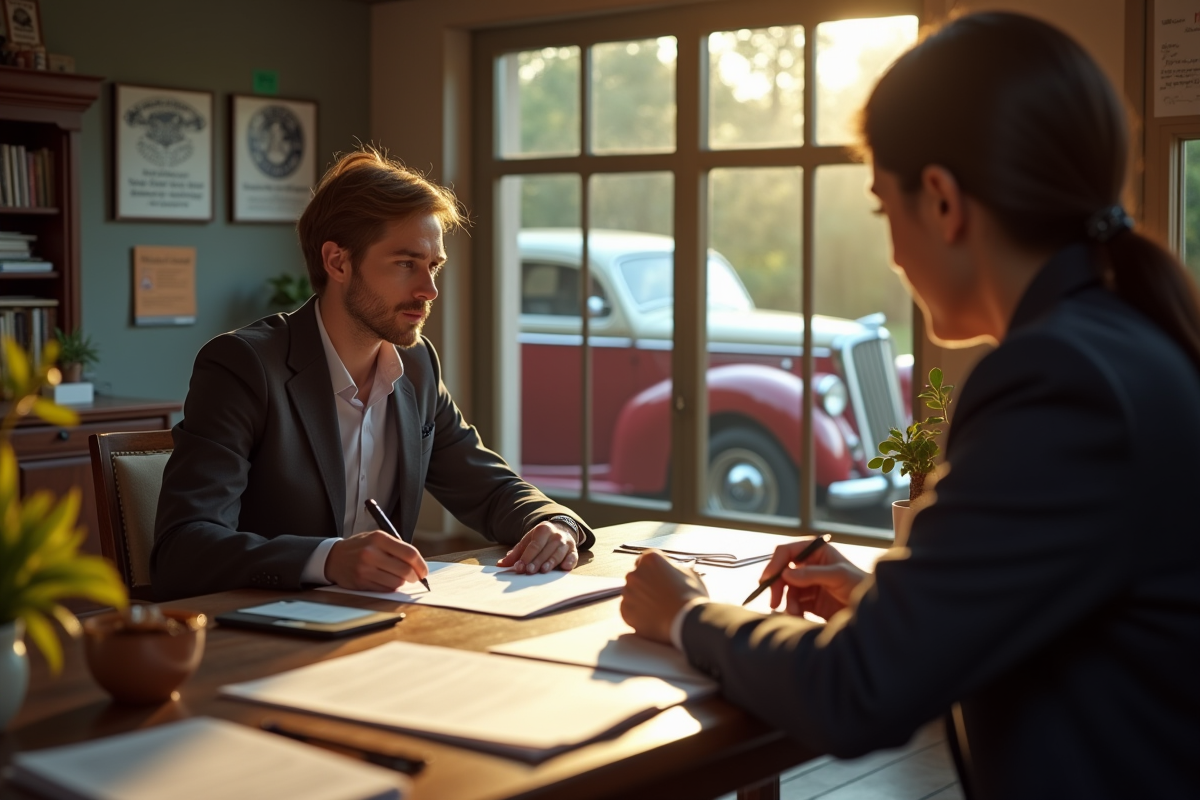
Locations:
(128, 470)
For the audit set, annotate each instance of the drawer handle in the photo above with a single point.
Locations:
(64, 435)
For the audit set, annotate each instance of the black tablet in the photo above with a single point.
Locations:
(306, 618)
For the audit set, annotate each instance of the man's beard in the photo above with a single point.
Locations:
(374, 315)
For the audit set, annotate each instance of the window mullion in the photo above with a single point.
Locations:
(807, 271)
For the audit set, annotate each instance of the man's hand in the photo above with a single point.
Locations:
(823, 584)
(374, 561)
(654, 592)
(550, 544)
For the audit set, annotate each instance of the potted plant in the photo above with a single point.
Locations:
(915, 450)
(288, 290)
(76, 351)
(40, 562)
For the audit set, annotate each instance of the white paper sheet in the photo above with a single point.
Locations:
(520, 708)
(714, 546)
(497, 590)
(1176, 58)
(610, 645)
(199, 759)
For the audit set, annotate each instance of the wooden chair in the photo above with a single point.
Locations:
(128, 469)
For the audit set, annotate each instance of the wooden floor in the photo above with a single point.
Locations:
(921, 770)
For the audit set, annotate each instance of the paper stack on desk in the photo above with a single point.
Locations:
(498, 590)
(510, 706)
(719, 547)
(199, 759)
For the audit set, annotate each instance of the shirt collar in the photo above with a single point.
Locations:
(388, 367)
(1068, 271)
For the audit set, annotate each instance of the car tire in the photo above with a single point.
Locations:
(749, 473)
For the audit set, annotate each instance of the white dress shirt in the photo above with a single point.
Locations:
(369, 445)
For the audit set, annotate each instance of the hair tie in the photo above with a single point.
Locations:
(1107, 223)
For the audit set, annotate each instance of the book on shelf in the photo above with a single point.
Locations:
(25, 265)
(30, 321)
(27, 177)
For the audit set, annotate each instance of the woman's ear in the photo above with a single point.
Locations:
(336, 261)
(944, 203)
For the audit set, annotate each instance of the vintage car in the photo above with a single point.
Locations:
(755, 392)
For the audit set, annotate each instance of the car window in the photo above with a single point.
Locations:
(650, 280)
(553, 289)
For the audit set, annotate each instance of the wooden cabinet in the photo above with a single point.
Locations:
(57, 459)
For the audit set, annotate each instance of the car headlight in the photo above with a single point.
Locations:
(832, 393)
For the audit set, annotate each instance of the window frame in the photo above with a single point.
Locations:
(690, 164)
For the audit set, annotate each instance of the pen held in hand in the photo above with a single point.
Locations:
(813, 546)
(386, 524)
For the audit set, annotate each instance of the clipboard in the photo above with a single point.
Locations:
(308, 618)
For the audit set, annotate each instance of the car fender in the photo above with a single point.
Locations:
(764, 396)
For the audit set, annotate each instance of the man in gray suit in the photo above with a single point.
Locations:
(293, 422)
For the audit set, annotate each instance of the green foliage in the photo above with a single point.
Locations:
(40, 562)
(289, 290)
(915, 449)
(76, 348)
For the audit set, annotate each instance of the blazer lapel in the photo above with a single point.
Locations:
(406, 496)
(311, 395)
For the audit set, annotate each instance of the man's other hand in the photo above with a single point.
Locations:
(550, 544)
(374, 561)
(655, 591)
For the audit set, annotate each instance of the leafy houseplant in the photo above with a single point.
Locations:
(915, 449)
(289, 290)
(40, 562)
(76, 351)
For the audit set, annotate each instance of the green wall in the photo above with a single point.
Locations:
(320, 50)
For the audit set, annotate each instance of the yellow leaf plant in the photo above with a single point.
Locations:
(40, 562)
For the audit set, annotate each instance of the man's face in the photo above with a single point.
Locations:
(392, 287)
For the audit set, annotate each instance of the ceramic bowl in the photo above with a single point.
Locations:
(144, 661)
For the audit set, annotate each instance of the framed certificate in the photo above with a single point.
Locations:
(23, 19)
(163, 163)
(273, 153)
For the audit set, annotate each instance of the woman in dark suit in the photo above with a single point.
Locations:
(1052, 590)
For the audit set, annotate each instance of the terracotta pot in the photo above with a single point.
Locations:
(14, 670)
(902, 515)
(72, 373)
(139, 665)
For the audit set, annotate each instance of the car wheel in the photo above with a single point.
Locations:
(749, 473)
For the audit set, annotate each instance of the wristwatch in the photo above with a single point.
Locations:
(570, 523)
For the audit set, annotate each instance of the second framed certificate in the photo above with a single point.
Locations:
(273, 157)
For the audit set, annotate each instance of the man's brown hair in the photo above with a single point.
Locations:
(363, 192)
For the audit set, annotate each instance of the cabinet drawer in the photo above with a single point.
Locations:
(47, 440)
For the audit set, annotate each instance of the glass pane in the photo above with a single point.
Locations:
(631, 252)
(537, 102)
(540, 253)
(755, 336)
(1191, 206)
(756, 88)
(862, 329)
(633, 96)
(852, 54)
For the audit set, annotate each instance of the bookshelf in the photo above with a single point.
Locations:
(42, 113)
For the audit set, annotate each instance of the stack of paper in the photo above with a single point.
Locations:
(720, 547)
(199, 759)
(517, 708)
(499, 590)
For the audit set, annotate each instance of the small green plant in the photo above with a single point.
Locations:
(289, 290)
(40, 562)
(76, 348)
(916, 448)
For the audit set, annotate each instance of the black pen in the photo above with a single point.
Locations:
(805, 553)
(405, 764)
(386, 524)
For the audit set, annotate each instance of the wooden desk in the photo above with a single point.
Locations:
(699, 750)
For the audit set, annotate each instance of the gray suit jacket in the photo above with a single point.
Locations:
(1053, 589)
(256, 480)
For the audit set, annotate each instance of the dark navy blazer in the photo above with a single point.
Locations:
(1053, 588)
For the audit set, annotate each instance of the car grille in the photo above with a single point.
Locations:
(874, 388)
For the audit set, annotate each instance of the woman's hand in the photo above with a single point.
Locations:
(654, 592)
(822, 584)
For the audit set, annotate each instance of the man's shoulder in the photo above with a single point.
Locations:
(270, 339)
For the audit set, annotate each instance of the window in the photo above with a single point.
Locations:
(695, 169)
